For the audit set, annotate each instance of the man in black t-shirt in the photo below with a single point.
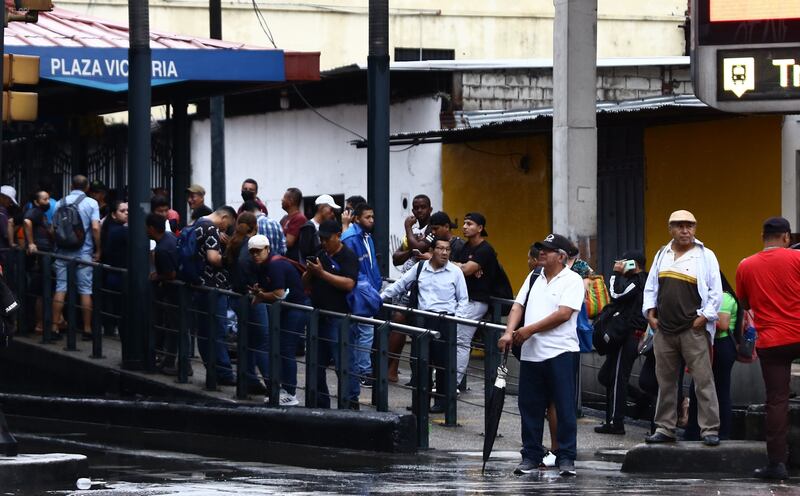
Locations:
(165, 260)
(210, 249)
(332, 275)
(478, 261)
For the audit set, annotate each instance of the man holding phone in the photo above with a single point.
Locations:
(627, 287)
(331, 275)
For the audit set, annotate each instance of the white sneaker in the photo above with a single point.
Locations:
(287, 399)
(549, 460)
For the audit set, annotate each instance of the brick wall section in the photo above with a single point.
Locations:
(533, 88)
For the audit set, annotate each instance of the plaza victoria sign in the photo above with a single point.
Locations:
(107, 68)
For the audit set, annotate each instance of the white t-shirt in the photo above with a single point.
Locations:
(566, 289)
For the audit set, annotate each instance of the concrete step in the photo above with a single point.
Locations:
(693, 457)
(40, 470)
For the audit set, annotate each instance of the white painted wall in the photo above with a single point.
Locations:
(790, 160)
(297, 148)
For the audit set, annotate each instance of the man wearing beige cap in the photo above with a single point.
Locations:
(681, 299)
(196, 198)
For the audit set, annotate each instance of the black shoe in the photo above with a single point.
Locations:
(659, 438)
(437, 408)
(227, 381)
(86, 336)
(367, 383)
(711, 440)
(606, 428)
(354, 405)
(774, 471)
(566, 468)
(55, 336)
(256, 387)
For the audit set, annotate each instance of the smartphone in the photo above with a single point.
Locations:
(311, 259)
(629, 265)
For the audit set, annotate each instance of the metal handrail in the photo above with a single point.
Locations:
(450, 318)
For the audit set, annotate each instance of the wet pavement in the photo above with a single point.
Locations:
(119, 472)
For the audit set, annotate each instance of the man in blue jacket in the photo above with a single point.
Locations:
(358, 238)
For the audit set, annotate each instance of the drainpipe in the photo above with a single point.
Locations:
(378, 127)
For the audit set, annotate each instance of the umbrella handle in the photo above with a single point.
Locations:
(505, 356)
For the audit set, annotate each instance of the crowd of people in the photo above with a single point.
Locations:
(684, 306)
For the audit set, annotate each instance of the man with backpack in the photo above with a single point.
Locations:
(76, 231)
(619, 323)
(437, 286)
(200, 262)
(358, 238)
(479, 263)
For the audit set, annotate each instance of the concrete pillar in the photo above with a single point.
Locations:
(574, 122)
(790, 170)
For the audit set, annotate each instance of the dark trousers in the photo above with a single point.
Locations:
(541, 383)
(776, 367)
(165, 317)
(439, 358)
(614, 375)
(724, 358)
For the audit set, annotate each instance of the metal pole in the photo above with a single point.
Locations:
(378, 127)
(217, 118)
(380, 390)
(2, 51)
(242, 347)
(312, 362)
(181, 167)
(139, 150)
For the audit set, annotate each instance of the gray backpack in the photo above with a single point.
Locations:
(68, 225)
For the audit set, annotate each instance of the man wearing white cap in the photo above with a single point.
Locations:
(681, 299)
(8, 197)
(308, 239)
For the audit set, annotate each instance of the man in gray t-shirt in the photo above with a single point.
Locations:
(89, 212)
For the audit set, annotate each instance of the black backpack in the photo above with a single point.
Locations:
(68, 225)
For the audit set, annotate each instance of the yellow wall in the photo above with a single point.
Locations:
(727, 172)
(485, 176)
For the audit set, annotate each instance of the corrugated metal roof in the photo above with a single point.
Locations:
(479, 118)
(503, 64)
(63, 28)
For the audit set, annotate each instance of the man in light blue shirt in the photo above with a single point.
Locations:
(89, 212)
(441, 288)
(268, 227)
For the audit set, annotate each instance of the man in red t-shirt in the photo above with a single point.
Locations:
(769, 284)
(292, 221)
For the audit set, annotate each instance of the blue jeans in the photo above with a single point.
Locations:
(366, 333)
(293, 325)
(201, 305)
(541, 383)
(258, 342)
(329, 351)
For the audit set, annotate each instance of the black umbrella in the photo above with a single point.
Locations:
(8, 306)
(494, 408)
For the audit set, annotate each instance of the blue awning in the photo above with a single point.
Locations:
(107, 68)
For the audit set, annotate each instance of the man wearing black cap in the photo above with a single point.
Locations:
(440, 229)
(479, 263)
(549, 352)
(769, 284)
(627, 287)
(332, 274)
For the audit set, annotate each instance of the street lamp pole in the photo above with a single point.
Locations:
(217, 118)
(378, 127)
(137, 330)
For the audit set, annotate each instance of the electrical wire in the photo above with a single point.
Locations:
(327, 119)
(262, 21)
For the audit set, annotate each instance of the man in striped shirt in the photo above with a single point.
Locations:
(268, 227)
(681, 300)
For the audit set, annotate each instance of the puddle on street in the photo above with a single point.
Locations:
(120, 472)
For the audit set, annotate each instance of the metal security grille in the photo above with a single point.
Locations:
(48, 160)
(620, 202)
(412, 54)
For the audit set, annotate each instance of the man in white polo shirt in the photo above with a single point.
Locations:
(549, 352)
(681, 299)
